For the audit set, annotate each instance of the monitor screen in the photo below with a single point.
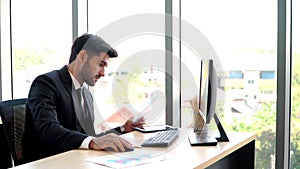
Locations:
(207, 91)
(207, 103)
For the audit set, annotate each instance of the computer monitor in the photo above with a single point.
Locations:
(207, 90)
(207, 103)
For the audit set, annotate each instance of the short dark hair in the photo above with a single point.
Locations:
(93, 44)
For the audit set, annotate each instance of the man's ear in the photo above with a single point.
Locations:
(82, 56)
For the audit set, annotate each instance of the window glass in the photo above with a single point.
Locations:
(235, 75)
(244, 36)
(135, 81)
(41, 40)
(267, 75)
(295, 91)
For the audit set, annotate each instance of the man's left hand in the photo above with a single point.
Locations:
(130, 124)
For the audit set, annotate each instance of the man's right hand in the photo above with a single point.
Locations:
(109, 141)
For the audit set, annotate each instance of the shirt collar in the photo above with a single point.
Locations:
(74, 80)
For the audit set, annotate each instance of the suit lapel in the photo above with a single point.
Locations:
(66, 79)
(68, 85)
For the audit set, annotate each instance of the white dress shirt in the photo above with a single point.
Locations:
(86, 141)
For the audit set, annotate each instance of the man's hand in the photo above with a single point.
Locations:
(109, 141)
(130, 124)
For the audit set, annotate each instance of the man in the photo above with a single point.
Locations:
(57, 119)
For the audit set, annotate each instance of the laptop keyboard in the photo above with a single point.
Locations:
(162, 138)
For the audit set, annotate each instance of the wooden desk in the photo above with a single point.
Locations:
(237, 153)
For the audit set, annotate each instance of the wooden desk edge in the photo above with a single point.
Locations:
(247, 138)
(252, 137)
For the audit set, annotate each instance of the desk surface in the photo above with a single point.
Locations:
(179, 155)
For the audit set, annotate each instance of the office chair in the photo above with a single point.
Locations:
(13, 118)
(5, 155)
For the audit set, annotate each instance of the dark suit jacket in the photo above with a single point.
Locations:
(51, 125)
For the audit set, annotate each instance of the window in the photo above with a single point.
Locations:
(140, 43)
(295, 90)
(250, 81)
(235, 75)
(266, 91)
(41, 40)
(267, 74)
(244, 49)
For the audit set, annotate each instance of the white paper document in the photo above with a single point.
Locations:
(124, 160)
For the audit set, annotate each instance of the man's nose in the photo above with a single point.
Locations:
(101, 72)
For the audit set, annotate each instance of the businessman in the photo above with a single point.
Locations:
(60, 112)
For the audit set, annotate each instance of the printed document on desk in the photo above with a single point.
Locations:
(128, 159)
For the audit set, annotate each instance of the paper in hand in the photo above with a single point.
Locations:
(137, 117)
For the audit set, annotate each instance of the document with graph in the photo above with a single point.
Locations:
(120, 160)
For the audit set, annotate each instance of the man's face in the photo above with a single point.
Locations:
(94, 68)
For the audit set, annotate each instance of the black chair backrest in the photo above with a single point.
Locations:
(13, 118)
(5, 155)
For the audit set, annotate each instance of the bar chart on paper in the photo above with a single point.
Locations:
(120, 160)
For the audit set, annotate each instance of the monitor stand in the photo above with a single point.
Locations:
(203, 138)
(223, 136)
(206, 137)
